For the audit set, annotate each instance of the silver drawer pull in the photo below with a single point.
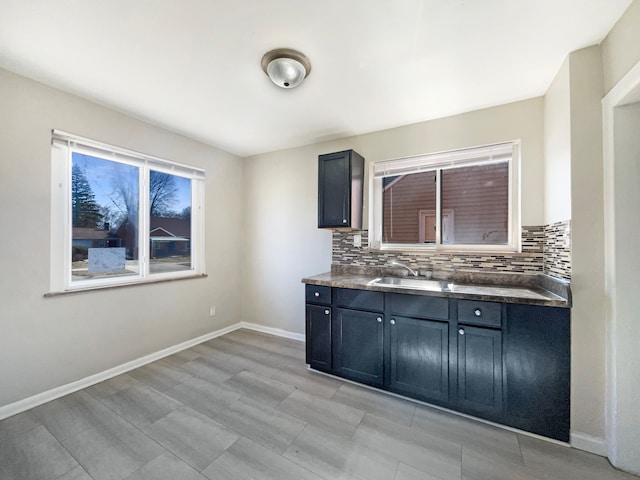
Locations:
(317, 294)
(477, 312)
(393, 322)
(326, 312)
(461, 331)
(379, 319)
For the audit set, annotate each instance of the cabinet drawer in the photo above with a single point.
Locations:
(318, 294)
(479, 313)
(359, 299)
(436, 308)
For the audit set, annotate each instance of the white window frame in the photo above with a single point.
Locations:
(483, 155)
(63, 145)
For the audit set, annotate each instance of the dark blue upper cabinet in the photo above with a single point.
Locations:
(340, 187)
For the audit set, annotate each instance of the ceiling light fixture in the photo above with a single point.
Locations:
(285, 67)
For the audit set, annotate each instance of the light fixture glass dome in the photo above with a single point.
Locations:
(285, 67)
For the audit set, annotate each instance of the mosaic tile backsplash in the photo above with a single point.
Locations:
(544, 250)
(557, 249)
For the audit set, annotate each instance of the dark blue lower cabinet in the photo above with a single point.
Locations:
(318, 335)
(537, 361)
(419, 358)
(480, 370)
(510, 365)
(358, 346)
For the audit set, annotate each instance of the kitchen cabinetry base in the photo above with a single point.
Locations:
(439, 407)
(504, 363)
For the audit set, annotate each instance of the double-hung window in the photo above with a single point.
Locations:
(463, 200)
(122, 217)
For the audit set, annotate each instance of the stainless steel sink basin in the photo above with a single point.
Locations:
(422, 284)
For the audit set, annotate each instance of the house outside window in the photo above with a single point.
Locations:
(462, 200)
(122, 217)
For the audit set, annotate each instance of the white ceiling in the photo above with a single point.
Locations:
(193, 66)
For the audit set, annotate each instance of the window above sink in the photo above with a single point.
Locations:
(462, 200)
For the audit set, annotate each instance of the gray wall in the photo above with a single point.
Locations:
(573, 128)
(557, 148)
(621, 47)
(48, 342)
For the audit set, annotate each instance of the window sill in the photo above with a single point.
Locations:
(122, 285)
(449, 250)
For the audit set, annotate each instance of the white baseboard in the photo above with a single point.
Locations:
(590, 444)
(272, 331)
(44, 397)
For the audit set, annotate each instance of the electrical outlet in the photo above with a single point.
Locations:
(357, 240)
(212, 310)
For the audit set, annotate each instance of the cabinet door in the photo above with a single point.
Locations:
(318, 337)
(480, 370)
(334, 190)
(538, 369)
(419, 358)
(358, 346)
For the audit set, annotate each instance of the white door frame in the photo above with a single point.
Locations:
(622, 423)
(447, 221)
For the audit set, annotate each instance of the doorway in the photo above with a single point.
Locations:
(621, 116)
(427, 226)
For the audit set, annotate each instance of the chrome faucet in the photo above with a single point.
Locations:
(413, 272)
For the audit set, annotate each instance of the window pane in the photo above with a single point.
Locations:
(169, 222)
(475, 204)
(104, 211)
(409, 208)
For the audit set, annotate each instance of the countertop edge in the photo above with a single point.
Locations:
(360, 282)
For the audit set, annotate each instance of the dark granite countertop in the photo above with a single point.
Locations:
(531, 289)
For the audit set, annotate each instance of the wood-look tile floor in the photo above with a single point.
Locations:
(244, 406)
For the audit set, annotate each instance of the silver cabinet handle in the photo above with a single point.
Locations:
(344, 220)
(477, 312)
(393, 322)
(317, 294)
(326, 312)
(379, 319)
(461, 331)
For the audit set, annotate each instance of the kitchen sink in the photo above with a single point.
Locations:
(422, 284)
